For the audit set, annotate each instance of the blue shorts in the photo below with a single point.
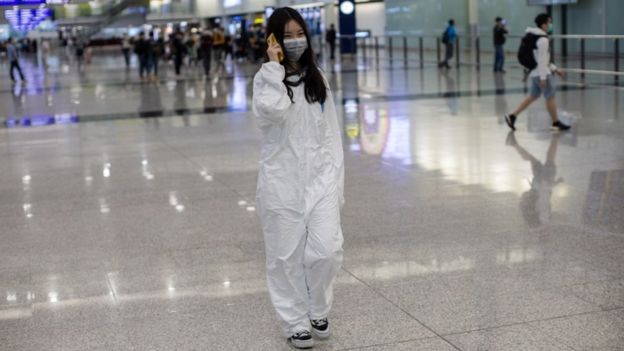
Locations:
(537, 90)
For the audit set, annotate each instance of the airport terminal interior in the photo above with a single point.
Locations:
(128, 210)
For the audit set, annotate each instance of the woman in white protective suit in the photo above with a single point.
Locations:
(300, 184)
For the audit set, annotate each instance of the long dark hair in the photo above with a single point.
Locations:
(314, 83)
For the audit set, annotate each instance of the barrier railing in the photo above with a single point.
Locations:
(469, 50)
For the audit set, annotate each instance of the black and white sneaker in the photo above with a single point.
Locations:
(302, 340)
(511, 121)
(320, 328)
(557, 126)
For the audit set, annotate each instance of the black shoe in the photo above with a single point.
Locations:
(511, 121)
(557, 126)
(302, 340)
(320, 328)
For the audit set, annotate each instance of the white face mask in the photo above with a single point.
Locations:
(295, 48)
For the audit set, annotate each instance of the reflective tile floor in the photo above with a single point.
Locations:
(139, 231)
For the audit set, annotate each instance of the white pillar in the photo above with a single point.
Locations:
(473, 17)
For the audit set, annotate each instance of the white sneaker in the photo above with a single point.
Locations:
(320, 328)
(302, 340)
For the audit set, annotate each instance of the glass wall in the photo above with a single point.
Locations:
(425, 17)
(596, 17)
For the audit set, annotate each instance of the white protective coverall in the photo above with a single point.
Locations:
(299, 197)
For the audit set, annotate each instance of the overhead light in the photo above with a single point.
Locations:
(347, 7)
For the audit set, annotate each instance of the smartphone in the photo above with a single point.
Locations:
(272, 41)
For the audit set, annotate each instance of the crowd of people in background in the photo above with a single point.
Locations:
(192, 49)
(195, 47)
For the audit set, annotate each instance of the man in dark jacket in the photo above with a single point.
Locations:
(179, 50)
(143, 49)
(205, 48)
(330, 38)
(155, 52)
(500, 31)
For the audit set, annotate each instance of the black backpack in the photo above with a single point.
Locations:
(445, 37)
(525, 52)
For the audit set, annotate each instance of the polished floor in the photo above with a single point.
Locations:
(127, 218)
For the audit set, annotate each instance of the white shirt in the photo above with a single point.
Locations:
(542, 55)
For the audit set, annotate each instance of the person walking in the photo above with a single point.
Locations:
(448, 39)
(45, 53)
(534, 54)
(125, 49)
(158, 51)
(142, 49)
(219, 43)
(206, 51)
(330, 38)
(500, 32)
(13, 57)
(192, 47)
(178, 49)
(300, 183)
(80, 46)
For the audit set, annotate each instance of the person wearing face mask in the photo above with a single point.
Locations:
(301, 180)
(536, 44)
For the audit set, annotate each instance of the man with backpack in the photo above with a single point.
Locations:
(534, 55)
(500, 31)
(448, 39)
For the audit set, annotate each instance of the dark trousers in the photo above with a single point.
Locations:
(177, 61)
(143, 66)
(154, 65)
(499, 58)
(448, 55)
(15, 64)
(126, 53)
(332, 50)
(206, 61)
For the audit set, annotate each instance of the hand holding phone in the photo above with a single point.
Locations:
(274, 49)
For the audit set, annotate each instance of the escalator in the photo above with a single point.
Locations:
(116, 11)
(133, 12)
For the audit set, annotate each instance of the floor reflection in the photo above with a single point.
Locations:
(535, 203)
(604, 203)
(450, 92)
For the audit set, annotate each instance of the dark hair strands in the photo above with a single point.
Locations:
(314, 83)
(542, 19)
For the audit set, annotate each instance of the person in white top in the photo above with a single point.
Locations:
(300, 183)
(542, 80)
(126, 46)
